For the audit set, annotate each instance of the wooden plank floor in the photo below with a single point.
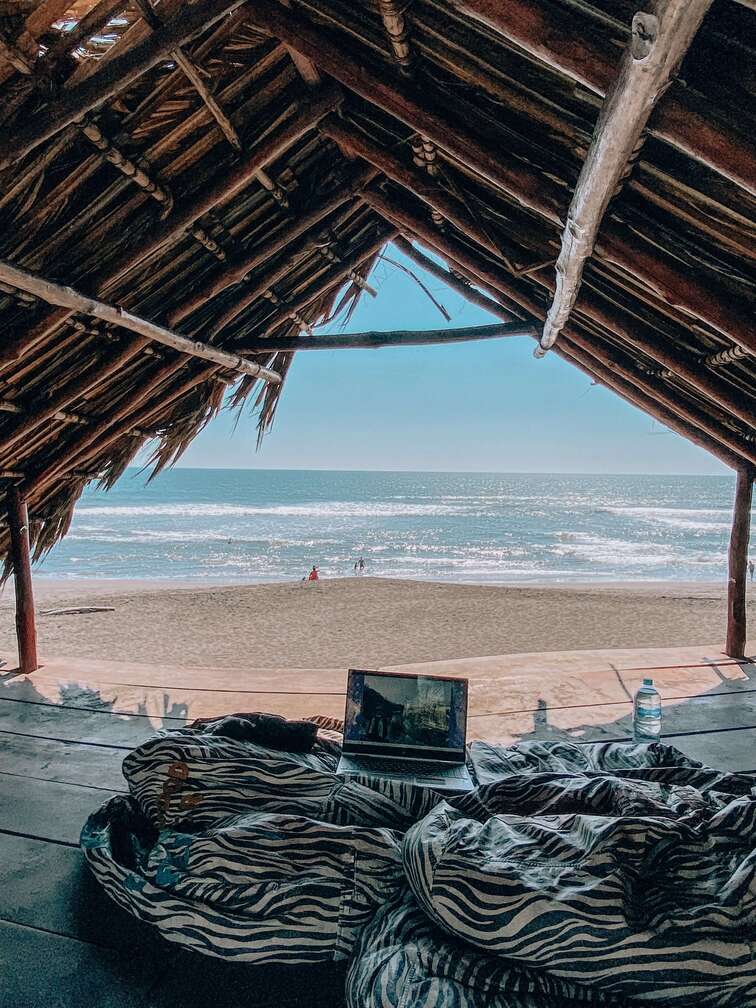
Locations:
(65, 730)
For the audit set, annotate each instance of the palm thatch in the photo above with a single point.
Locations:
(232, 170)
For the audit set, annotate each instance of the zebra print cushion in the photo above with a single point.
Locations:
(601, 873)
(404, 961)
(639, 883)
(256, 855)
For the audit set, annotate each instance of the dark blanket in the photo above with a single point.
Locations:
(605, 873)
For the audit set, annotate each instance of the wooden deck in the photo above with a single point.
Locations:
(65, 729)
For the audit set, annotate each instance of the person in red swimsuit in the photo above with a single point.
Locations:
(313, 576)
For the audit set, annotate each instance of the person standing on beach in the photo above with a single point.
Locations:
(750, 569)
(313, 575)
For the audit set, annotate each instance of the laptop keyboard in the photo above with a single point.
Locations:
(406, 767)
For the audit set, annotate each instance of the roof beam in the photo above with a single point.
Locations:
(657, 45)
(373, 340)
(494, 279)
(95, 440)
(90, 24)
(67, 297)
(684, 364)
(112, 77)
(603, 376)
(399, 98)
(567, 43)
(411, 178)
(693, 295)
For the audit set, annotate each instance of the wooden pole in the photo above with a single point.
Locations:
(26, 632)
(738, 565)
(67, 297)
(657, 44)
(372, 340)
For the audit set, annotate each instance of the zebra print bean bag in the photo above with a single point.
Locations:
(248, 853)
(582, 874)
(637, 884)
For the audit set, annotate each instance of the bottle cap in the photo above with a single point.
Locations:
(648, 682)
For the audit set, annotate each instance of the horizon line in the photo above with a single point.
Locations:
(439, 472)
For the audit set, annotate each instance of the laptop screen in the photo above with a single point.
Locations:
(405, 715)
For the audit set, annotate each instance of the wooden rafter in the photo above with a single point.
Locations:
(658, 43)
(375, 340)
(735, 447)
(97, 438)
(67, 297)
(562, 42)
(239, 268)
(468, 288)
(194, 75)
(186, 213)
(535, 190)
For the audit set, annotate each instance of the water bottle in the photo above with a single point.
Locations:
(647, 713)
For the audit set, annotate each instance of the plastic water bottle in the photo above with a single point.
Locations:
(647, 713)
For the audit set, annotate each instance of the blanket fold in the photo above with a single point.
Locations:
(608, 873)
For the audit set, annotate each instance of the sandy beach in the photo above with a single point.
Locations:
(361, 621)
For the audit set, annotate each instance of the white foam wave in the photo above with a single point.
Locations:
(690, 519)
(329, 509)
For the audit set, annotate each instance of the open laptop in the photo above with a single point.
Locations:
(406, 727)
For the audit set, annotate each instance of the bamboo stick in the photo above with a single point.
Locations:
(567, 43)
(67, 297)
(658, 43)
(372, 340)
(737, 559)
(239, 268)
(93, 21)
(113, 77)
(415, 181)
(535, 191)
(99, 437)
(185, 213)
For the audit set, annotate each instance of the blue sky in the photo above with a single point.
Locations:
(486, 406)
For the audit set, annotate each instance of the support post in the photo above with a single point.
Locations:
(26, 631)
(738, 565)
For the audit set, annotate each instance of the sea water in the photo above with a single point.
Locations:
(271, 525)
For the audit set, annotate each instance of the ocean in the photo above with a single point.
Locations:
(273, 525)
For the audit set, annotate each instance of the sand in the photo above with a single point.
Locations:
(362, 621)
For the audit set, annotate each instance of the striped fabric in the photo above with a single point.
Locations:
(256, 855)
(581, 874)
(639, 883)
(405, 961)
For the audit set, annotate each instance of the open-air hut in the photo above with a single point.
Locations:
(188, 188)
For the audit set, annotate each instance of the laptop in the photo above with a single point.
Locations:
(406, 727)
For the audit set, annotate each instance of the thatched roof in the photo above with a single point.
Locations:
(223, 169)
